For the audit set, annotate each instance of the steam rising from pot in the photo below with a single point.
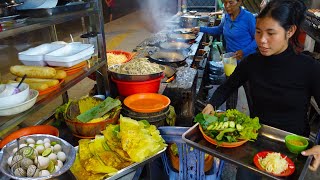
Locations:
(155, 13)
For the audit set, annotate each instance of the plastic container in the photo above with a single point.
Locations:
(69, 63)
(191, 163)
(70, 52)
(35, 56)
(126, 88)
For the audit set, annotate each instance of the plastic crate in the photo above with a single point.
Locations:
(191, 162)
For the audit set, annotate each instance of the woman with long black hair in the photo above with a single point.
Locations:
(281, 80)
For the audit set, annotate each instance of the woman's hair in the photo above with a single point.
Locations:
(287, 13)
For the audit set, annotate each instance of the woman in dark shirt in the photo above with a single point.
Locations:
(281, 81)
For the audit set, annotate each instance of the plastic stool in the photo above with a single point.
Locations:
(191, 160)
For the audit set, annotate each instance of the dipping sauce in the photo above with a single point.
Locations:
(295, 142)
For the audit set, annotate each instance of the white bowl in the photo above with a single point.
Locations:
(15, 99)
(6, 90)
(18, 108)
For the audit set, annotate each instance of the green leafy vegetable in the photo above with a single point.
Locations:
(230, 126)
(99, 110)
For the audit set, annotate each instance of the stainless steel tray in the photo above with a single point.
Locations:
(40, 13)
(269, 138)
(125, 171)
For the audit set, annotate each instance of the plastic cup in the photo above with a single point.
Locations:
(229, 63)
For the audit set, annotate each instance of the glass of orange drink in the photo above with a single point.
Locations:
(229, 63)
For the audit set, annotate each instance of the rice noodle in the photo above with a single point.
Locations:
(139, 66)
(116, 59)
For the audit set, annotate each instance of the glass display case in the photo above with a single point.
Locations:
(31, 30)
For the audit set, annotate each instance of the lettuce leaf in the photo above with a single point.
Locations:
(205, 119)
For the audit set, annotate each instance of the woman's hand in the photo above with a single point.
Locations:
(195, 30)
(315, 151)
(208, 109)
(239, 55)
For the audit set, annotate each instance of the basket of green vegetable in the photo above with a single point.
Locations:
(228, 129)
(88, 116)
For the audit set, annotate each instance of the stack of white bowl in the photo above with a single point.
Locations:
(13, 103)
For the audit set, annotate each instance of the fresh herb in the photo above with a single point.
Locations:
(230, 126)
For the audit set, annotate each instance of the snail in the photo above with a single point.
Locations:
(20, 172)
(25, 163)
(31, 171)
(16, 159)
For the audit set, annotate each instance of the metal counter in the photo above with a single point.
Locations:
(269, 138)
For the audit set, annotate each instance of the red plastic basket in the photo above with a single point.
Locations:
(118, 52)
(126, 88)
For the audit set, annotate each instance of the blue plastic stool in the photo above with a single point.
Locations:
(191, 160)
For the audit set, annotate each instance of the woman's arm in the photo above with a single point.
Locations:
(213, 30)
(237, 79)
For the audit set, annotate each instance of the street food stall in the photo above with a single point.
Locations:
(146, 107)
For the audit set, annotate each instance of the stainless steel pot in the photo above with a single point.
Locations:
(189, 21)
(134, 78)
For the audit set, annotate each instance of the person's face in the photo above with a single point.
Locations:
(231, 6)
(271, 38)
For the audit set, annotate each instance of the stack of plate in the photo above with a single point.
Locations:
(73, 69)
(152, 107)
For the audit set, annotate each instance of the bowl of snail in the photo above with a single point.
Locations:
(37, 156)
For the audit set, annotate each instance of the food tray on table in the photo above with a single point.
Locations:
(269, 139)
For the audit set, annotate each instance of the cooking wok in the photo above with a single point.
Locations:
(182, 37)
(175, 45)
(169, 57)
(183, 31)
